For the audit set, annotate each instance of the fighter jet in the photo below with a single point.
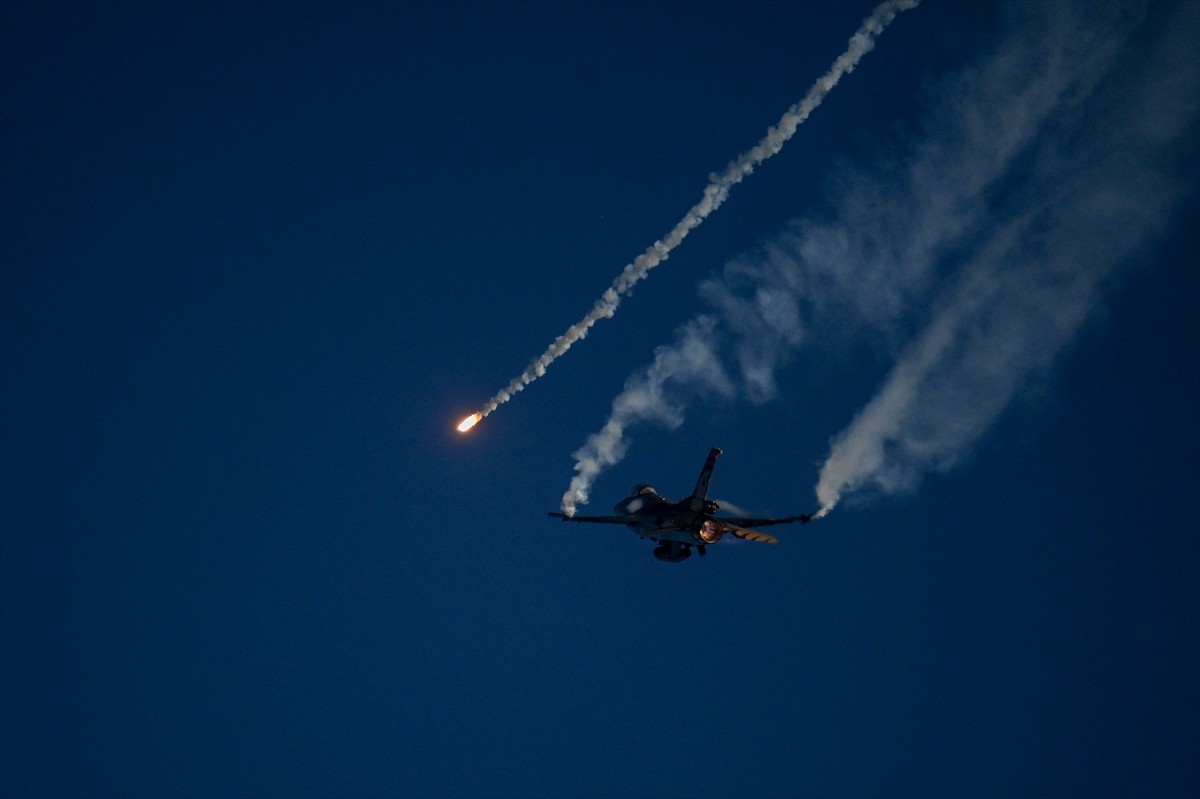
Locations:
(677, 527)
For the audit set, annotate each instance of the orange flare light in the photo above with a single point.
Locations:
(469, 422)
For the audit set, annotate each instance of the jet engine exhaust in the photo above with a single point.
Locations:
(710, 532)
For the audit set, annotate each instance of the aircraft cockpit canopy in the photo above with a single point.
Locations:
(643, 488)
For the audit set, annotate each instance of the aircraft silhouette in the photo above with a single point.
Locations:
(691, 522)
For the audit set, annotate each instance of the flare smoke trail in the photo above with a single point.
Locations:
(714, 195)
(1045, 167)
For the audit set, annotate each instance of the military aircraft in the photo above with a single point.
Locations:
(678, 526)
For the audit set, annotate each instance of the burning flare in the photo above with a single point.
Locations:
(469, 422)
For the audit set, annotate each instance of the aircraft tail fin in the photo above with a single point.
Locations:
(700, 492)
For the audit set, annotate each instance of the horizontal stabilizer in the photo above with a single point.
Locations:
(754, 535)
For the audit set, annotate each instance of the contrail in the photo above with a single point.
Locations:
(713, 197)
(1044, 168)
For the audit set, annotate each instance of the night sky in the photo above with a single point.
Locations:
(258, 260)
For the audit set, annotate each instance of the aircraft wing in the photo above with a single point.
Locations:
(803, 518)
(596, 519)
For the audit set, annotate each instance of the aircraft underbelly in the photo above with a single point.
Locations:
(682, 536)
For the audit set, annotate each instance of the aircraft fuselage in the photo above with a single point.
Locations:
(677, 527)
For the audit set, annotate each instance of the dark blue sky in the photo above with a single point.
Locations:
(258, 259)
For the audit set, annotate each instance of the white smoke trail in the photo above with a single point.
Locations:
(1097, 194)
(646, 397)
(1059, 123)
(714, 195)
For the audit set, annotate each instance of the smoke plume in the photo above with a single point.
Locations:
(1043, 168)
(713, 197)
